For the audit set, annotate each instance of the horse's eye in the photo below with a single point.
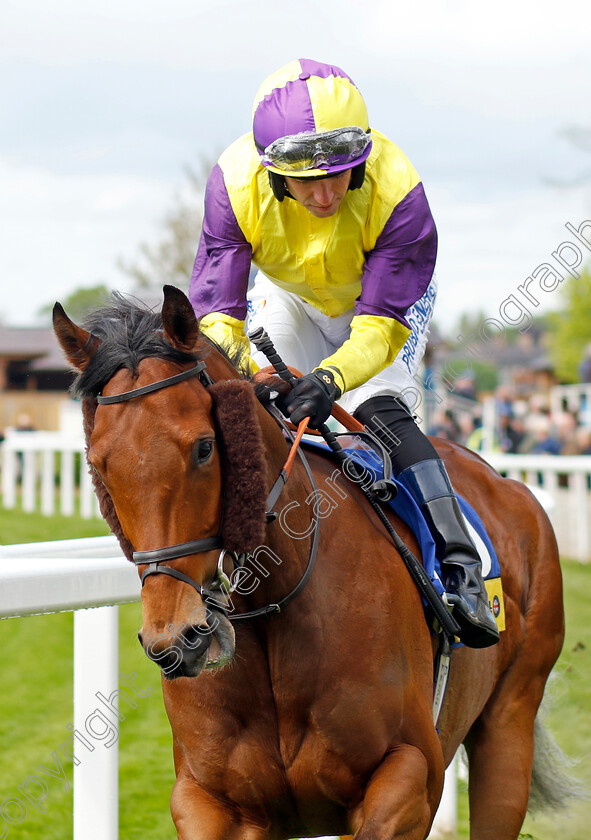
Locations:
(203, 450)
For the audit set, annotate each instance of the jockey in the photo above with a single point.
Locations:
(335, 219)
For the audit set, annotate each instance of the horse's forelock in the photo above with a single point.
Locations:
(128, 332)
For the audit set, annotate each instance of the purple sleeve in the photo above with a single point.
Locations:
(399, 268)
(220, 275)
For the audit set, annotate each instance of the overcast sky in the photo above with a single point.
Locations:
(102, 104)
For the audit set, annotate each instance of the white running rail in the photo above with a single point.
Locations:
(563, 486)
(77, 575)
(51, 470)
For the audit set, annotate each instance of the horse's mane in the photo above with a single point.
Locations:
(128, 332)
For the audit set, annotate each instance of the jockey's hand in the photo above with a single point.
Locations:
(313, 396)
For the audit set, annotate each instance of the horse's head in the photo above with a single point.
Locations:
(157, 431)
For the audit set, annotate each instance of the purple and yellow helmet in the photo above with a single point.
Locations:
(310, 121)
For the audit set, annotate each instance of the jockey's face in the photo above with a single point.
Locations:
(321, 197)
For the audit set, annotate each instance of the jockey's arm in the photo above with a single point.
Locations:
(396, 274)
(220, 276)
(372, 346)
(228, 333)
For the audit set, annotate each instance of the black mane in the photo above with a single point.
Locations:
(129, 331)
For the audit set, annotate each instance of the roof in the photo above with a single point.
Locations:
(37, 344)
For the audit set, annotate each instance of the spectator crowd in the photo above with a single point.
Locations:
(519, 425)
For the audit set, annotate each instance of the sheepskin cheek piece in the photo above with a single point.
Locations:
(244, 470)
(106, 506)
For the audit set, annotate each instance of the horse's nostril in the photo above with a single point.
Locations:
(140, 638)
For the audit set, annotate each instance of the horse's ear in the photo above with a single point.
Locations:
(79, 346)
(178, 319)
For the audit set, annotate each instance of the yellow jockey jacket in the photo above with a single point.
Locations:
(374, 257)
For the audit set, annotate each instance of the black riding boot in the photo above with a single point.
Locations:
(429, 485)
(418, 467)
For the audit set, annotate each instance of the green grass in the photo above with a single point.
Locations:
(36, 707)
(568, 714)
(19, 527)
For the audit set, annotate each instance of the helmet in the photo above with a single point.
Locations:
(310, 121)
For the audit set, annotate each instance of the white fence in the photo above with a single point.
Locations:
(574, 398)
(51, 471)
(74, 575)
(563, 484)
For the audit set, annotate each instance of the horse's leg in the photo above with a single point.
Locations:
(199, 816)
(500, 750)
(400, 799)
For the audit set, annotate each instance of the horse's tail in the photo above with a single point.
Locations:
(553, 787)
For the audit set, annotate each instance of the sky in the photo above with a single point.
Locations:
(104, 104)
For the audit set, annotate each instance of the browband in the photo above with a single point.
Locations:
(154, 386)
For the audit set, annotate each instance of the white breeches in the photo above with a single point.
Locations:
(303, 336)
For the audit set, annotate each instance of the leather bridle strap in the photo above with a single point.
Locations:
(154, 386)
(173, 552)
(207, 595)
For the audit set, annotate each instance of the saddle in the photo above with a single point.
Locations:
(403, 504)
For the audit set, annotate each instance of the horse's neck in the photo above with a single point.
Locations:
(288, 535)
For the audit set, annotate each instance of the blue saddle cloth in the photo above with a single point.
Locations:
(407, 509)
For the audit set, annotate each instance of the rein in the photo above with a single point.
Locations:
(223, 588)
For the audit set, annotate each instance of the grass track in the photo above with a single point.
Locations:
(36, 706)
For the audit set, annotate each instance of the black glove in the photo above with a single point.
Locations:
(312, 396)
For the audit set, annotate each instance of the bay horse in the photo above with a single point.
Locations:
(314, 715)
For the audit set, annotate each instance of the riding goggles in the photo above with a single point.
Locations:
(308, 150)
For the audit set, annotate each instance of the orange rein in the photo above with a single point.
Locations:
(343, 417)
(294, 447)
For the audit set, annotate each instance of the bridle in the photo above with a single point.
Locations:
(221, 588)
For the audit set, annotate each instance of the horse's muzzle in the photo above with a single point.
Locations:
(187, 653)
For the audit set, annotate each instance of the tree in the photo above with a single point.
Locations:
(170, 260)
(570, 328)
(79, 302)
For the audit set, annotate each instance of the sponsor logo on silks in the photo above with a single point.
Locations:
(494, 587)
(418, 316)
(254, 310)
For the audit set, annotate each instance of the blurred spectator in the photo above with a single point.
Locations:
(446, 426)
(513, 436)
(476, 440)
(466, 386)
(504, 401)
(467, 424)
(565, 424)
(579, 443)
(24, 423)
(546, 441)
